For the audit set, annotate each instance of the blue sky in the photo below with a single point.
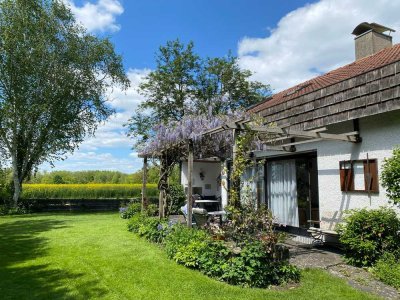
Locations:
(283, 42)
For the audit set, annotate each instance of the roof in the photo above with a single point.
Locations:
(382, 58)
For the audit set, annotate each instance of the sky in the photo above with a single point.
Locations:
(282, 42)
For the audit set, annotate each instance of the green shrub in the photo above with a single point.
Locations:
(130, 210)
(86, 191)
(3, 210)
(387, 269)
(183, 242)
(135, 221)
(249, 266)
(151, 228)
(189, 254)
(390, 176)
(367, 234)
(133, 208)
(176, 199)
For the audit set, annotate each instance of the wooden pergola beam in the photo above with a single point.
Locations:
(306, 134)
(287, 133)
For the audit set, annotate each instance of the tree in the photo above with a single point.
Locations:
(53, 81)
(223, 87)
(391, 176)
(184, 84)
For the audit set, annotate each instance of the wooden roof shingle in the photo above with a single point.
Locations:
(354, 69)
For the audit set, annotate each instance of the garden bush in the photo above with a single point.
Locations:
(249, 266)
(151, 228)
(367, 234)
(390, 176)
(183, 241)
(387, 269)
(86, 191)
(176, 199)
(127, 211)
(130, 209)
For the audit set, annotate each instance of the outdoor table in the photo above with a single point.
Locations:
(209, 204)
(206, 201)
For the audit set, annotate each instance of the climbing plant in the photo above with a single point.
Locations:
(243, 144)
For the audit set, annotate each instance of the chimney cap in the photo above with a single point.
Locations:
(365, 26)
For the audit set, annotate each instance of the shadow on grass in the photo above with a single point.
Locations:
(22, 278)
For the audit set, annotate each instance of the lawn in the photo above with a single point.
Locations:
(93, 256)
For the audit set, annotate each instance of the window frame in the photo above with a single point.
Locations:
(346, 171)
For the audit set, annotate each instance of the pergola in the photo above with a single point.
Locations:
(272, 138)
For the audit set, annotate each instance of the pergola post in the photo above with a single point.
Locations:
(144, 184)
(190, 184)
(235, 182)
(224, 183)
(162, 185)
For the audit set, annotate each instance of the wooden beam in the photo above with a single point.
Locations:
(305, 134)
(144, 183)
(275, 148)
(301, 142)
(190, 184)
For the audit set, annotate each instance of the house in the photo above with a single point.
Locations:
(333, 133)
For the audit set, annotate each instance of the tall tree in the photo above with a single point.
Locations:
(185, 84)
(53, 81)
(223, 87)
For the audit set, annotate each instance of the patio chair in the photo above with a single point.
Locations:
(200, 216)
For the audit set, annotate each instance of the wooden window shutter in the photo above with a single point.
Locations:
(346, 176)
(371, 175)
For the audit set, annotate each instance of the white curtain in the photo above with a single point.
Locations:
(282, 191)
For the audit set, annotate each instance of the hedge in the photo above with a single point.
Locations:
(86, 191)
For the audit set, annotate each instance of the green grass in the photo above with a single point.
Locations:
(93, 256)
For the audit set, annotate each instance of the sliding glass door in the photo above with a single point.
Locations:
(282, 191)
(292, 190)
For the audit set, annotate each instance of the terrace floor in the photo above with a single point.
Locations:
(331, 260)
(93, 256)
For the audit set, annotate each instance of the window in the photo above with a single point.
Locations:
(359, 175)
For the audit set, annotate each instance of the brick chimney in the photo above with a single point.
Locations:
(370, 38)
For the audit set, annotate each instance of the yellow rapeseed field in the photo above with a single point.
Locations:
(85, 191)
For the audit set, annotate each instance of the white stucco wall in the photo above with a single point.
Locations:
(211, 170)
(380, 135)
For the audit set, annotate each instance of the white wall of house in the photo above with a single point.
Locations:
(211, 184)
(380, 134)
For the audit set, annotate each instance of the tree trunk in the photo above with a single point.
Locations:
(17, 186)
(144, 183)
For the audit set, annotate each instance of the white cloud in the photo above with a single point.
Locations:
(92, 160)
(112, 133)
(129, 99)
(99, 16)
(313, 39)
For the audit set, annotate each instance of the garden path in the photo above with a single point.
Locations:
(306, 256)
